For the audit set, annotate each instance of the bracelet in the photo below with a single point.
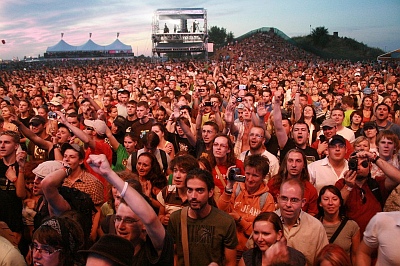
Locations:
(376, 159)
(228, 191)
(124, 190)
(348, 188)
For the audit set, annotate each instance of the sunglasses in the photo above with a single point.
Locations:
(89, 128)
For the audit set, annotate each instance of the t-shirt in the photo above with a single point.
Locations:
(147, 255)
(311, 154)
(181, 144)
(344, 239)
(122, 159)
(140, 130)
(208, 237)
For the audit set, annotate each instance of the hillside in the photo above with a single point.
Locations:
(339, 48)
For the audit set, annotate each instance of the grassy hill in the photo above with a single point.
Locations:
(339, 48)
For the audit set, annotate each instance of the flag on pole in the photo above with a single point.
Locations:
(90, 35)
(117, 35)
(62, 35)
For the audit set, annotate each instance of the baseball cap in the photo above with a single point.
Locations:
(98, 125)
(157, 89)
(37, 120)
(328, 123)
(337, 139)
(172, 78)
(240, 106)
(369, 125)
(74, 146)
(45, 168)
(57, 101)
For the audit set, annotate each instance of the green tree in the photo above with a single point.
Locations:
(217, 35)
(320, 36)
(230, 37)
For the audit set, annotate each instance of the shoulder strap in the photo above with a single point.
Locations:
(220, 176)
(185, 239)
(164, 160)
(133, 160)
(263, 199)
(338, 230)
(237, 191)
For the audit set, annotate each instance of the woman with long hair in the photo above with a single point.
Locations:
(57, 241)
(222, 158)
(150, 176)
(164, 145)
(310, 118)
(331, 212)
(370, 130)
(286, 172)
(7, 112)
(366, 107)
(356, 118)
(332, 255)
(268, 232)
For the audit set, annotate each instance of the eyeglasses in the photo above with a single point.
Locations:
(44, 250)
(256, 135)
(127, 220)
(285, 199)
(362, 194)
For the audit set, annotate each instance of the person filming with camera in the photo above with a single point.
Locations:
(363, 195)
(247, 196)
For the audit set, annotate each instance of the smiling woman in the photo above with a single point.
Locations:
(269, 242)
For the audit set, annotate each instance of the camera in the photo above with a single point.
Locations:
(353, 162)
(322, 138)
(239, 99)
(242, 87)
(52, 115)
(302, 83)
(234, 175)
(208, 103)
(202, 90)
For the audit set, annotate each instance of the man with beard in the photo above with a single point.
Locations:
(134, 214)
(382, 114)
(302, 231)
(300, 134)
(256, 143)
(211, 233)
(363, 195)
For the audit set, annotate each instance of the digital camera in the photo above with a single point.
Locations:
(234, 175)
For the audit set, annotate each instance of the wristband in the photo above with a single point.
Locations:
(376, 159)
(228, 191)
(349, 188)
(124, 190)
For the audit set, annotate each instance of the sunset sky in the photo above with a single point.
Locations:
(30, 26)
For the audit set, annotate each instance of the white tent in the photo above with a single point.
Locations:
(90, 46)
(117, 45)
(61, 46)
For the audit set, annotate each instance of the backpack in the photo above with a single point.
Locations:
(263, 197)
(163, 159)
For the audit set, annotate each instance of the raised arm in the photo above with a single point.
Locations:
(297, 108)
(279, 130)
(135, 201)
(57, 204)
(77, 131)
(41, 143)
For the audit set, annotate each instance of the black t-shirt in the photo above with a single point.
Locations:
(311, 153)
(128, 124)
(148, 256)
(181, 144)
(10, 204)
(140, 130)
(272, 145)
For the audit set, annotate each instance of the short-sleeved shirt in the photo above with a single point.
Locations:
(89, 184)
(208, 237)
(148, 256)
(122, 158)
(311, 154)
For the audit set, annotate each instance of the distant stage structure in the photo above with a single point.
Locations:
(180, 30)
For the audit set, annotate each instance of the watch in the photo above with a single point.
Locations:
(228, 190)
(376, 159)
(56, 146)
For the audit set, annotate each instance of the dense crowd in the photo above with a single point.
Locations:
(266, 156)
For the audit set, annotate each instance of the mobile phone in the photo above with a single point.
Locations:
(208, 103)
(242, 87)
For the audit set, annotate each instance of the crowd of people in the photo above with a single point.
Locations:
(271, 156)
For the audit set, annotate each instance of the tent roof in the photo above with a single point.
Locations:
(118, 45)
(90, 46)
(61, 46)
(393, 55)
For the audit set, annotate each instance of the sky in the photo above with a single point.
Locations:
(30, 26)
